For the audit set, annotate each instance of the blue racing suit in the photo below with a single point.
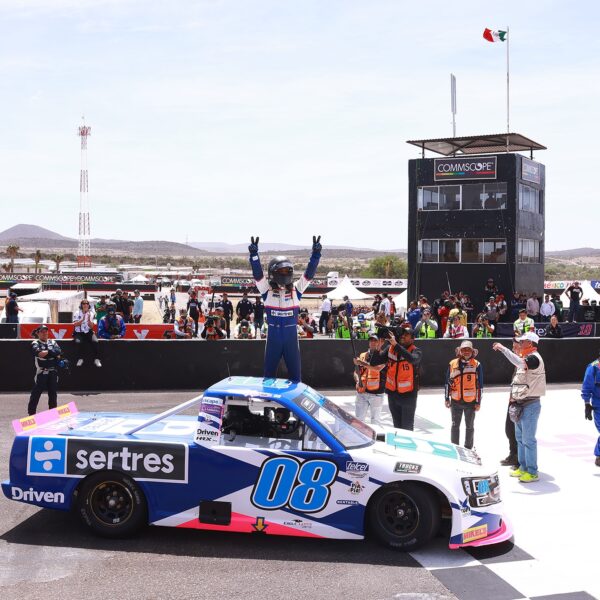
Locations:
(282, 307)
(590, 392)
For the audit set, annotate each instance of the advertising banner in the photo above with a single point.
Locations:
(463, 168)
(133, 331)
(210, 419)
(531, 171)
(568, 329)
(60, 278)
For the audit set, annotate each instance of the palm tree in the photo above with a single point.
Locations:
(57, 260)
(12, 251)
(6, 267)
(37, 257)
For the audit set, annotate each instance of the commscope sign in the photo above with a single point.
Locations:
(465, 168)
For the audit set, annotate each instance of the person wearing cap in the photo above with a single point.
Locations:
(219, 319)
(590, 393)
(402, 379)
(183, 326)
(364, 328)
(527, 387)
(112, 326)
(455, 329)
(101, 308)
(138, 306)
(243, 331)
(464, 384)
(426, 327)
(12, 309)
(370, 381)
(523, 324)
(46, 355)
(482, 328)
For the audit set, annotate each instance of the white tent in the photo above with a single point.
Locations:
(345, 288)
(588, 292)
(401, 301)
(139, 279)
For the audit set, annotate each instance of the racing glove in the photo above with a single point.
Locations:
(588, 411)
(316, 247)
(253, 247)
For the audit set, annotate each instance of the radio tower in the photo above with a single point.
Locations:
(84, 258)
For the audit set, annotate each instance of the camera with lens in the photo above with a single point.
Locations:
(383, 331)
(210, 322)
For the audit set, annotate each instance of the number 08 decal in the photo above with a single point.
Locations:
(284, 481)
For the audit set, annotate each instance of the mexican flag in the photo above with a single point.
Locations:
(494, 36)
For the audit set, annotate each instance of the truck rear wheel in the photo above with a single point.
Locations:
(112, 504)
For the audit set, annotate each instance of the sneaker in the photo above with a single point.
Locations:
(517, 473)
(598, 461)
(97, 362)
(528, 478)
(80, 362)
(510, 461)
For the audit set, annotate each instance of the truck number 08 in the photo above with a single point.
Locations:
(283, 481)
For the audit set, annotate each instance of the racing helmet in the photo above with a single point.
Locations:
(281, 271)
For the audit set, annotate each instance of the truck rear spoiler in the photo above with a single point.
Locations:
(27, 424)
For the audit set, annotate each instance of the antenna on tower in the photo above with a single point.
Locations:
(84, 258)
(453, 102)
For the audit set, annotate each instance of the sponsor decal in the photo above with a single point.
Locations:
(58, 334)
(357, 469)
(475, 533)
(141, 334)
(45, 418)
(298, 523)
(406, 467)
(347, 502)
(356, 487)
(78, 457)
(27, 423)
(210, 420)
(405, 442)
(465, 509)
(32, 495)
(307, 404)
(260, 526)
(282, 313)
(483, 487)
(465, 168)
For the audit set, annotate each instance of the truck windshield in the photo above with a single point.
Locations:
(348, 430)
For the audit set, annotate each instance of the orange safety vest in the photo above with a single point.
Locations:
(464, 384)
(368, 378)
(401, 374)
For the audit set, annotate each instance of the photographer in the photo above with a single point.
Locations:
(83, 332)
(304, 327)
(184, 326)
(455, 329)
(402, 381)
(112, 326)
(426, 327)
(370, 381)
(212, 331)
(482, 327)
(243, 331)
(47, 355)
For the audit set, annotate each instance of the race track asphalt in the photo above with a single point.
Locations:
(49, 554)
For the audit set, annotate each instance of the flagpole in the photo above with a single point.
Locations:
(507, 86)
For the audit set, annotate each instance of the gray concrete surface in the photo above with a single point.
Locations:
(49, 554)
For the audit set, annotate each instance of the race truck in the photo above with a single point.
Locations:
(263, 456)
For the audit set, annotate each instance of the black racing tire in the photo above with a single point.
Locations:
(404, 515)
(112, 505)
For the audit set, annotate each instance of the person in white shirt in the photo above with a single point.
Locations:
(138, 307)
(455, 330)
(325, 312)
(547, 309)
(83, 333)
(385, 306)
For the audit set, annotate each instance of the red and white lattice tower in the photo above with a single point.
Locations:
(84, 258)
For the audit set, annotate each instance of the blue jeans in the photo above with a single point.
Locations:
(525, 433)
(597, 423)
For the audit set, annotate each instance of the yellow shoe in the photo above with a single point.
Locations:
(517, 473)
(528, 478)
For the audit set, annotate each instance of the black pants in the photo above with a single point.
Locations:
(228, 327)
(509, 429)
(85, 339)
(43, 382)
(195, 315)
(457, 409)
(403, 407)
(323, 319)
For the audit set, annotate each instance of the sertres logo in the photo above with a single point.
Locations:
(77, 457)
(47, 456)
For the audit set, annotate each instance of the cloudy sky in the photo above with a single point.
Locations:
(218, 119)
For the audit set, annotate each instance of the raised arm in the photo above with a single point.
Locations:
(311, 268)
(257, 272)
